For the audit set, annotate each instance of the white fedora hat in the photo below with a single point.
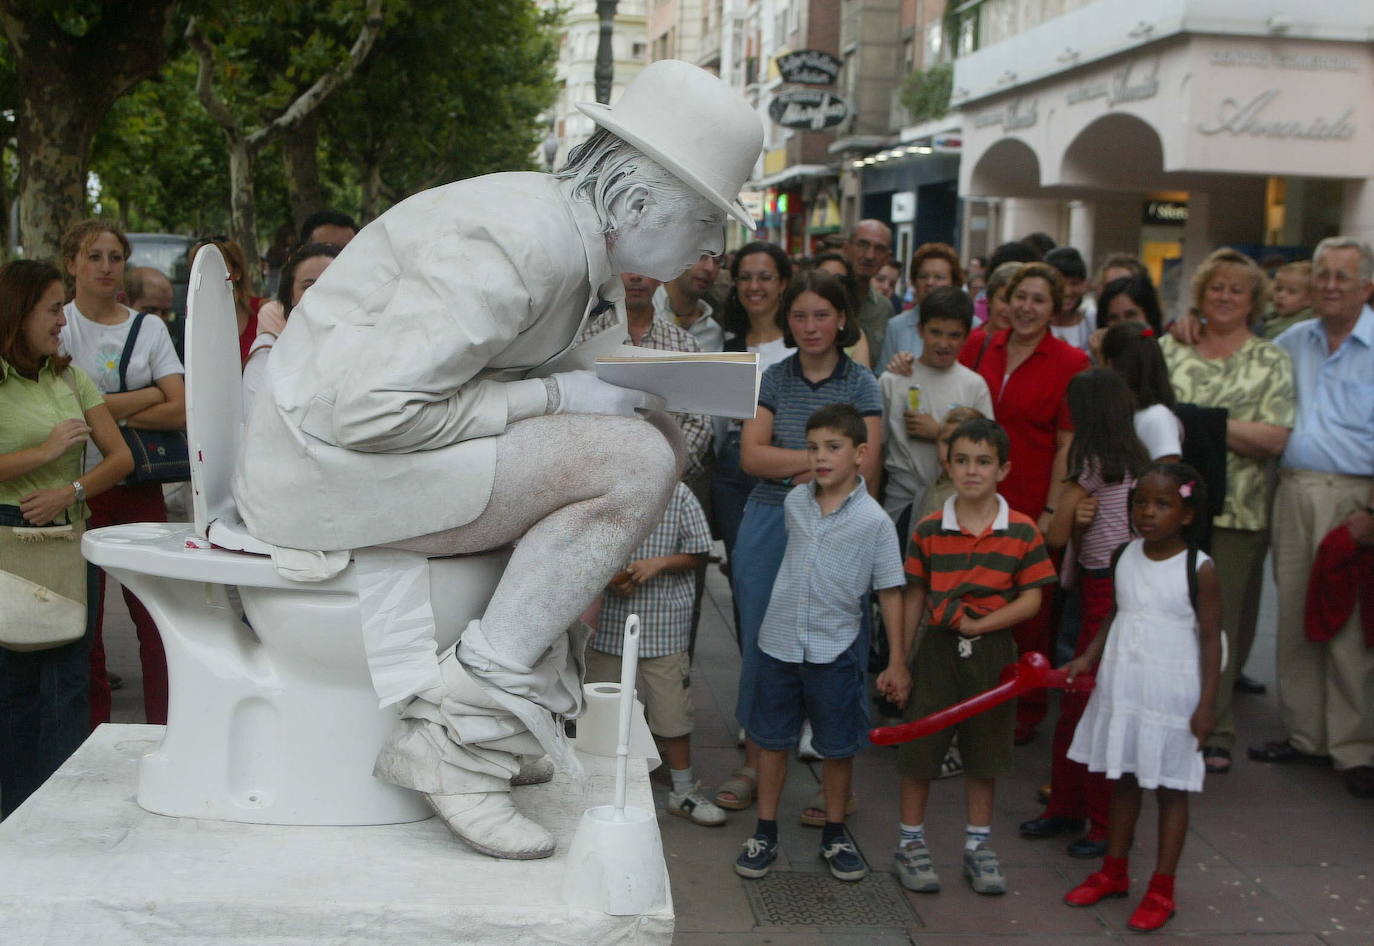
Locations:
(693, 124)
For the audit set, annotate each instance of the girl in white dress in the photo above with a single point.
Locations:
(1152, 707)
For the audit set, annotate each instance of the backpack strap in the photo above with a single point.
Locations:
(1192, 577)
(987, 338)
(128, 353)
(1116, 557)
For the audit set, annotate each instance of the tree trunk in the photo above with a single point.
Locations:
(55, 133)
(300, 146)
(245, 145)
(243, 215)
(66, 85)
(372, 192)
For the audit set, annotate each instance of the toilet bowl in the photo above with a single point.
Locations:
(273, 721)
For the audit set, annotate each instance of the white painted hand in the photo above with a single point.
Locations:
(582, 392)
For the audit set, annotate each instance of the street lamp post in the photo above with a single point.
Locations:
(605, 65)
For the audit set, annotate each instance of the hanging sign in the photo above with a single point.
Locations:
(1172, 213)
(808, 109)
(809, 67)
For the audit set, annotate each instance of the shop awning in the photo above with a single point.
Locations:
(795, 172)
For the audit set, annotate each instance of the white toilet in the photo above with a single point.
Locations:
(277, 723)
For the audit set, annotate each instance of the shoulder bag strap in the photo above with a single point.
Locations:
(128, 352)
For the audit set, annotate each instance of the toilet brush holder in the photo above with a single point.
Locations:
(615, 862)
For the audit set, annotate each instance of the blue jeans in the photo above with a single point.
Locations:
(730, 489)
(758, 556)
(45, 709)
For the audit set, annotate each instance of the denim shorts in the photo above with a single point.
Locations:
(830, 695)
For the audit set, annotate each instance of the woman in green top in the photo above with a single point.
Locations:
(1253, 379)
(50, 409)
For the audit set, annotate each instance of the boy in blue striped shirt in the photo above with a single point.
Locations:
(840, 545)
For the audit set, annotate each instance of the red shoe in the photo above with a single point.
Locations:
(1097, 887)
(1154, 911)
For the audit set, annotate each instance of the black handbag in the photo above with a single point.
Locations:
(160, 456)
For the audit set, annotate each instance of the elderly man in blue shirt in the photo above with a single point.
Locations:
(1326, 690)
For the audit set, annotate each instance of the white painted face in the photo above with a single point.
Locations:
(661, 236)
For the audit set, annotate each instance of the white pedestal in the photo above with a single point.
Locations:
(81, 862)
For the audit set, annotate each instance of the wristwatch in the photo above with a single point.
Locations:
(80, 491)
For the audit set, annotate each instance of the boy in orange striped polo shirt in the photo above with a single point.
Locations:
(975, 571)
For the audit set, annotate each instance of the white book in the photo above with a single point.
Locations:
(722, 384)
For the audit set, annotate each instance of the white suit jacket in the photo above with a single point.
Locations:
(402, 364)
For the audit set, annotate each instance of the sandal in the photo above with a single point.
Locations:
(1216, 760)
(813, 815)
(737, 792)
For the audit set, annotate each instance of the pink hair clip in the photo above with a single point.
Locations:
(1186, 489)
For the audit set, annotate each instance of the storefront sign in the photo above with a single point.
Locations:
(903, 207)
(1127, 84)
(1019, 114)
(1302, 62)
(809, 67)
(808, 109)
(1167, 212)
(1252, 119)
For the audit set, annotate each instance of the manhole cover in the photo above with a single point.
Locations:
(787, 898)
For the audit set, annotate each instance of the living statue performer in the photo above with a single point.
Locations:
(413, 405)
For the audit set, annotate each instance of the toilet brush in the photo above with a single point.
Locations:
(615, 862)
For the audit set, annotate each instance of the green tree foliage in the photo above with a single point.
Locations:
(451, 90)
(160, 158)
(926, 94)
(162, 165)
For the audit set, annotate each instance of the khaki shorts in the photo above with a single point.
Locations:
(664, 686)
(941, 678)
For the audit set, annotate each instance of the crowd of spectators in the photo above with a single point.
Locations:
(1264, 384)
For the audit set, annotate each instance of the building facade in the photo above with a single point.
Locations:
(576, 69)
(1169, 129)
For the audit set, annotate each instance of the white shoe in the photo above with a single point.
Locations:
(806, 752)
(490, 823)
(693, 804)
(533, 771)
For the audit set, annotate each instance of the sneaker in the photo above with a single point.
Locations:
(914, 868)
(693, 804)
(984, 872)
(758, 855)
(844, 859)
(806, 751)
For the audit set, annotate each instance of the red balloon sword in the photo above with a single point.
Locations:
(1031, 672)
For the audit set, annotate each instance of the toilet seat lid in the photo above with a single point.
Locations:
(214, 388)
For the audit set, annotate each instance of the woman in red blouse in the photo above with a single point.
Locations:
(1028, 370)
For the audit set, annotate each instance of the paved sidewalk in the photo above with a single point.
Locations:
(1275, 855)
